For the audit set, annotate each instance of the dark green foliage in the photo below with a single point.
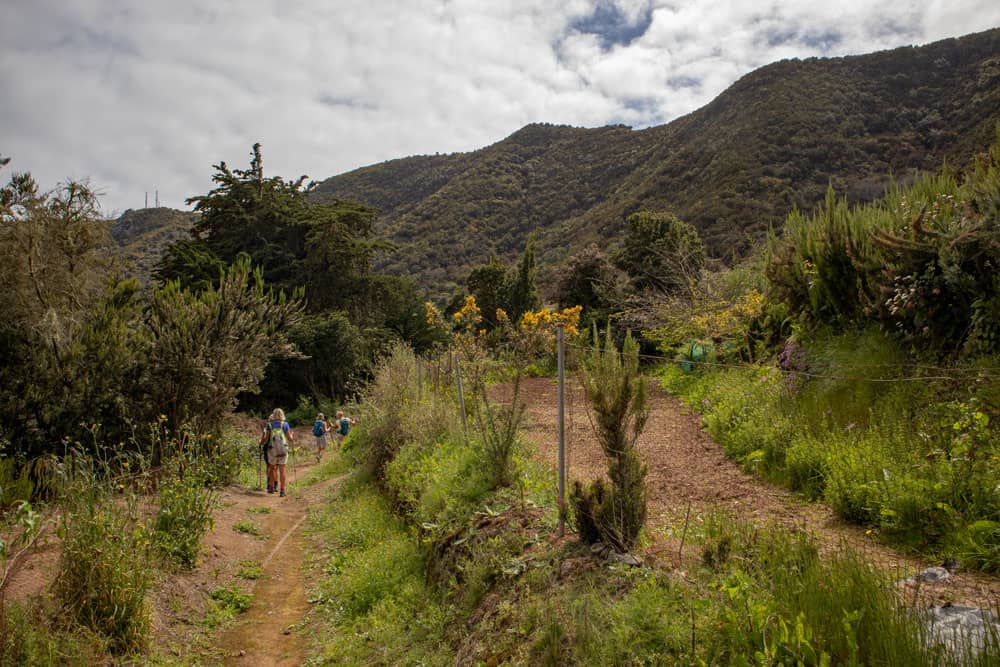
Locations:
(207, 347)
(190, 262)
(616, 392)
(488, 283)
(523, 292)
(397, 304)
(69, 338)
(589, 279)
(922, 261)
(660, 253)
(325, 247)
(497, 288)
(332, 349)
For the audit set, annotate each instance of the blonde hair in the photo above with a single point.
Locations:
(340, 413)
(278, 415)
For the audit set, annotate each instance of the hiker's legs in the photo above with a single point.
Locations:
(281, 476)
(272, 476)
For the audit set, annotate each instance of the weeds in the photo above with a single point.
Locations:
(225, 603)
(185, 512)
(248, 527)
(250, 570)
(27, 637)
(916, 461)
(104, 571)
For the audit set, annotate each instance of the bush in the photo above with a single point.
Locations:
(617, 394)
(389, 400)
(28, 638)
(184, 514)
(499, 427)
(104, 572)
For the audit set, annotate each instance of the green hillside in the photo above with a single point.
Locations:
(773, 141)
(144, 234)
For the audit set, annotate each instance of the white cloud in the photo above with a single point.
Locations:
(144, 96)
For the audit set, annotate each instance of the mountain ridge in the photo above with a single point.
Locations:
(774, 140)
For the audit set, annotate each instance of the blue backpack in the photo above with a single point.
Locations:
(345, 426)
(318, 428)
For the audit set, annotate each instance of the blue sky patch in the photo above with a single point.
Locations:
(611, 26)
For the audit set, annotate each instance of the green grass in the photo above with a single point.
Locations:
(250, 570)
(248, 527)
(29, 637)
(916, 461)
(224, 604)
(373, 591)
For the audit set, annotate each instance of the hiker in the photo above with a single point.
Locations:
(264, 444)
(320, 429)
(279, 442)
(343, 425)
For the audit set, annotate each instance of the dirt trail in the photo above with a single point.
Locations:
(272, 631)
(687, 467)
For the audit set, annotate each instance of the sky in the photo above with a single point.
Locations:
(147, 95)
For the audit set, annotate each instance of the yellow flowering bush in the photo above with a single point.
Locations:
(537, 329)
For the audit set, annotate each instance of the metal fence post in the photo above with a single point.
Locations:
(562, 428)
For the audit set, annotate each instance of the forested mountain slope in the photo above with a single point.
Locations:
(144, 234)
(774, 140)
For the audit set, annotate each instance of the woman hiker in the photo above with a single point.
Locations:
(279, 442)
(320, 429)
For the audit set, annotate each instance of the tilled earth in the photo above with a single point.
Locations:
(690, 476)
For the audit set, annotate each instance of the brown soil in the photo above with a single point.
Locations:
(269, 632)
(687, 469)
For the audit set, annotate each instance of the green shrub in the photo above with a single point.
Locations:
(780, 603)
(438, 483)
(499, 427)
(980, 545)
(27, 637)
(616, 392)
(389, 400)
(225, 603)
(104, 572)
(184, 516)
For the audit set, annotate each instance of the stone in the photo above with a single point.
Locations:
(962, 630)
(934, 574)
(625, 559)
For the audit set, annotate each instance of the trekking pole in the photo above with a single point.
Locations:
(260, 463)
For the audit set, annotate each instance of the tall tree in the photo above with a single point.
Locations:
(326, 248)
(489, 284)
(523, 291)
(661, 253)
(589, 279)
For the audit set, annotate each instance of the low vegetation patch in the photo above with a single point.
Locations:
(224, 604)
(431, 563)
(248, 527)
(914, 459)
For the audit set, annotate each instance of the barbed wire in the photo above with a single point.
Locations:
(966, 373)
